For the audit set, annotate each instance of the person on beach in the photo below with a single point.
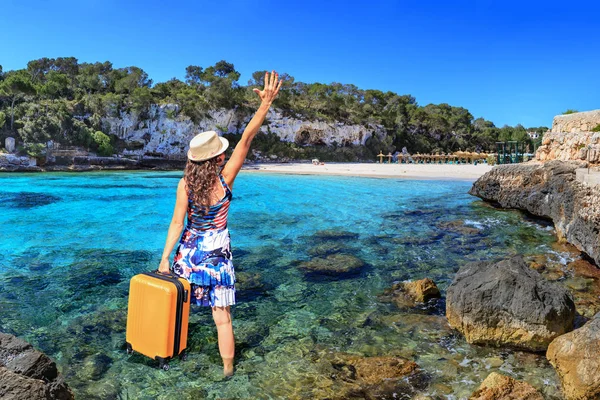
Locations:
(203, 255)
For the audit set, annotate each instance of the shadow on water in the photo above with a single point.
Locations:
(26, 200)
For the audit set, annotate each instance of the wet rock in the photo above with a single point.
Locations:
(408, 294)
(501, 387)
(18, 387)
(421, 291)
(508, 304)
(20, 357)
(26, 373)
(548, 190)
(333, 265)
(585, 269)
(576, 358)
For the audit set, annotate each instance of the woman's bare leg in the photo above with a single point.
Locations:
(222, 317)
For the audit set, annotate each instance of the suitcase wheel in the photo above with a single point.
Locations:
(183, 356)
(163, 364)
(129, 349)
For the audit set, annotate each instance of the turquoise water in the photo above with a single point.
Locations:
(71, 242)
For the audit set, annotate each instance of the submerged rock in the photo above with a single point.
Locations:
(548, 190)
(458, 226)
(377, 377)
(333, 265)
(333, 234)
(26, 373)
(500, 387)
(576, 358)
(508, 304)
(327, 248)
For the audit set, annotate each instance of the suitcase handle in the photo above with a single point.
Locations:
(172, 275)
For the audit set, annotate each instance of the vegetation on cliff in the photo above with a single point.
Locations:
(65, 101)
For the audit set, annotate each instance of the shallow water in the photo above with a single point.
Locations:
(71, 242)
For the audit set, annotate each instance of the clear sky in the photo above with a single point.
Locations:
(507, 61)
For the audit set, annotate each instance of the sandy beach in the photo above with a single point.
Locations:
(405, 171)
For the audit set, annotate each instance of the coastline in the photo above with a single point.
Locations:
(463, 172)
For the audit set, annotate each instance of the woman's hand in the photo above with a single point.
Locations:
(272, 86)
(164, 267)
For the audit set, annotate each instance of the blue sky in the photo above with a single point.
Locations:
(507, 61)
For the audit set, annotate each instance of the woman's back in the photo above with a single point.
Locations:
(216, 216)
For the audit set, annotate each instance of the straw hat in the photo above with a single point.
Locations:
(206, 145)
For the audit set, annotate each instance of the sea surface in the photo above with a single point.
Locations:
(71, 242)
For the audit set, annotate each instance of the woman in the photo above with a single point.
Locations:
(203, 255)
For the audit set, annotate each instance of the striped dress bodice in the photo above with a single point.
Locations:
(216, 218)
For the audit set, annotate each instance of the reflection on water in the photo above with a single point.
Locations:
(70, 245)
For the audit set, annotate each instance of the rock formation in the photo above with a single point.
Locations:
(508, 304)
(576, 358)
(165, 131)
(27, 374)
(548, 190)
(572, 138)
(500, 387)
(11, 162)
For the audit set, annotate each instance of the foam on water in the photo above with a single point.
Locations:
(71, 242)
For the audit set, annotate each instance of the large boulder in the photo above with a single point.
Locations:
(26, 373)
(576, 358)
(548, 190)
(508, 304)
(501, 387)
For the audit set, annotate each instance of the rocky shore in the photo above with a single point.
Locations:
(549, 190)
(27, 374)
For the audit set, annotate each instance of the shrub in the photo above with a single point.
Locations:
(596, 129)
(570, 111)
(491, 160)
(34, 149)
(102, 142)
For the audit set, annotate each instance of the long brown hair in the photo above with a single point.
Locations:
(200, 179)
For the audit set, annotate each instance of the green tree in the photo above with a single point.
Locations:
(193, 75)
(102, 144)
(15, 87)
(55, 86)
(126, 80)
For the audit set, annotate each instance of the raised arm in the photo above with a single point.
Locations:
(267, 95)
(175, 227)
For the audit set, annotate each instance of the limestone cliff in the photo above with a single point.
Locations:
(571, 138)
(548, 190)
(165, 131)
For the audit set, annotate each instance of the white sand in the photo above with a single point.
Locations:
(406, 171)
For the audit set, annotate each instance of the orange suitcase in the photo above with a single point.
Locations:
(157, 316)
